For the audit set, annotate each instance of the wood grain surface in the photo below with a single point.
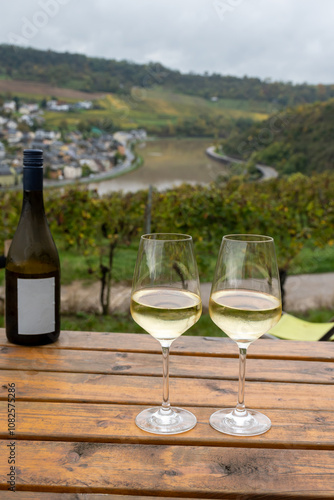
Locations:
(187, 345)
(151, 365)
(26, 495)
(116, 423)
(76, 402)
(128, 389)
(171, 470)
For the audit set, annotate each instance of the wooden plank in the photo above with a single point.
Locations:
(116, 423)
(187, 345)
(77, 361)
(35, 495)
(171, 470)
(128, 389)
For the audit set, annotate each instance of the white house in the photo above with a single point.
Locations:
(57, 107)
(84, 105)
(12, 124)
(49, 135)
(51, 102)
(14, 136)
(122, 137)
(33, 108)
(9, 106)
(26, 109)
(26, 119)
(139, 134)
(90, 163)
(105, 163)
(72, 171)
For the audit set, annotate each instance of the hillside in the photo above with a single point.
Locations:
(91, 74)
(298, 140)
(158, 110)
(38, 90)
(162, 112)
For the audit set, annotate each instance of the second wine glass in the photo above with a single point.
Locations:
(245, 303)
(165, 301)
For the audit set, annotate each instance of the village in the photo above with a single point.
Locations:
(69, 155)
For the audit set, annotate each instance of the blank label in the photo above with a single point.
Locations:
(36, 306)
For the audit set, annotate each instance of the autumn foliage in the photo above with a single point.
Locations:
(293, 210)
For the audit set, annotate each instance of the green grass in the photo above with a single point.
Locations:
(76, 266)
(243, 105)
(123, 323)
(316, 315)
(164, 106)
(313, 260)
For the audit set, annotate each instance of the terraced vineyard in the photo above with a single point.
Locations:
(158, 110)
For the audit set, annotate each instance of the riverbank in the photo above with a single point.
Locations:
(167, 163)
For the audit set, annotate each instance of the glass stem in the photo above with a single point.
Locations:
(165, 368)
(240, 408)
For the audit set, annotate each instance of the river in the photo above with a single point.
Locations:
(167, 163)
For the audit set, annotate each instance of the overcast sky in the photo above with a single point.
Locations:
(287, 40)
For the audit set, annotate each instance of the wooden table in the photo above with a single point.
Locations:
(76, 402)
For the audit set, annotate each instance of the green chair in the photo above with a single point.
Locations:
(291, 328)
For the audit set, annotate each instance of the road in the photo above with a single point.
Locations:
(266, 171)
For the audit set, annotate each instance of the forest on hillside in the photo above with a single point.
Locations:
(93, 74)
(297, 140)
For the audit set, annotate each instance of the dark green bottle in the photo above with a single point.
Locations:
(32, 266)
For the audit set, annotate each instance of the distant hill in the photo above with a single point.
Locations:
(93, 74)
(297, 140)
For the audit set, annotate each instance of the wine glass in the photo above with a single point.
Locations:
(245, 302)
(165, 301)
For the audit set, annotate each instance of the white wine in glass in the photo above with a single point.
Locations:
(245, 303)
(166, 302)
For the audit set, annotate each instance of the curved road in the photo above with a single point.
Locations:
(266, 171)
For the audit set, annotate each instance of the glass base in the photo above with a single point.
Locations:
(169, 421)
(240, 423)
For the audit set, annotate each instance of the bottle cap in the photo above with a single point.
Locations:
(33, 158)
(32, 170)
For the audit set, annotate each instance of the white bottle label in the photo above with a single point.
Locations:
(36, 306)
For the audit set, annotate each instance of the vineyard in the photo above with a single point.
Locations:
(296, 211)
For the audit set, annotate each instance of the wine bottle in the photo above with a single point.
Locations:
(32, 266)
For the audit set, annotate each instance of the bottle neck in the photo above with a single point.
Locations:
(33, 200)
(32, 178)
(33, 190)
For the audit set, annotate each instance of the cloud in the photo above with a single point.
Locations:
(281, 39)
